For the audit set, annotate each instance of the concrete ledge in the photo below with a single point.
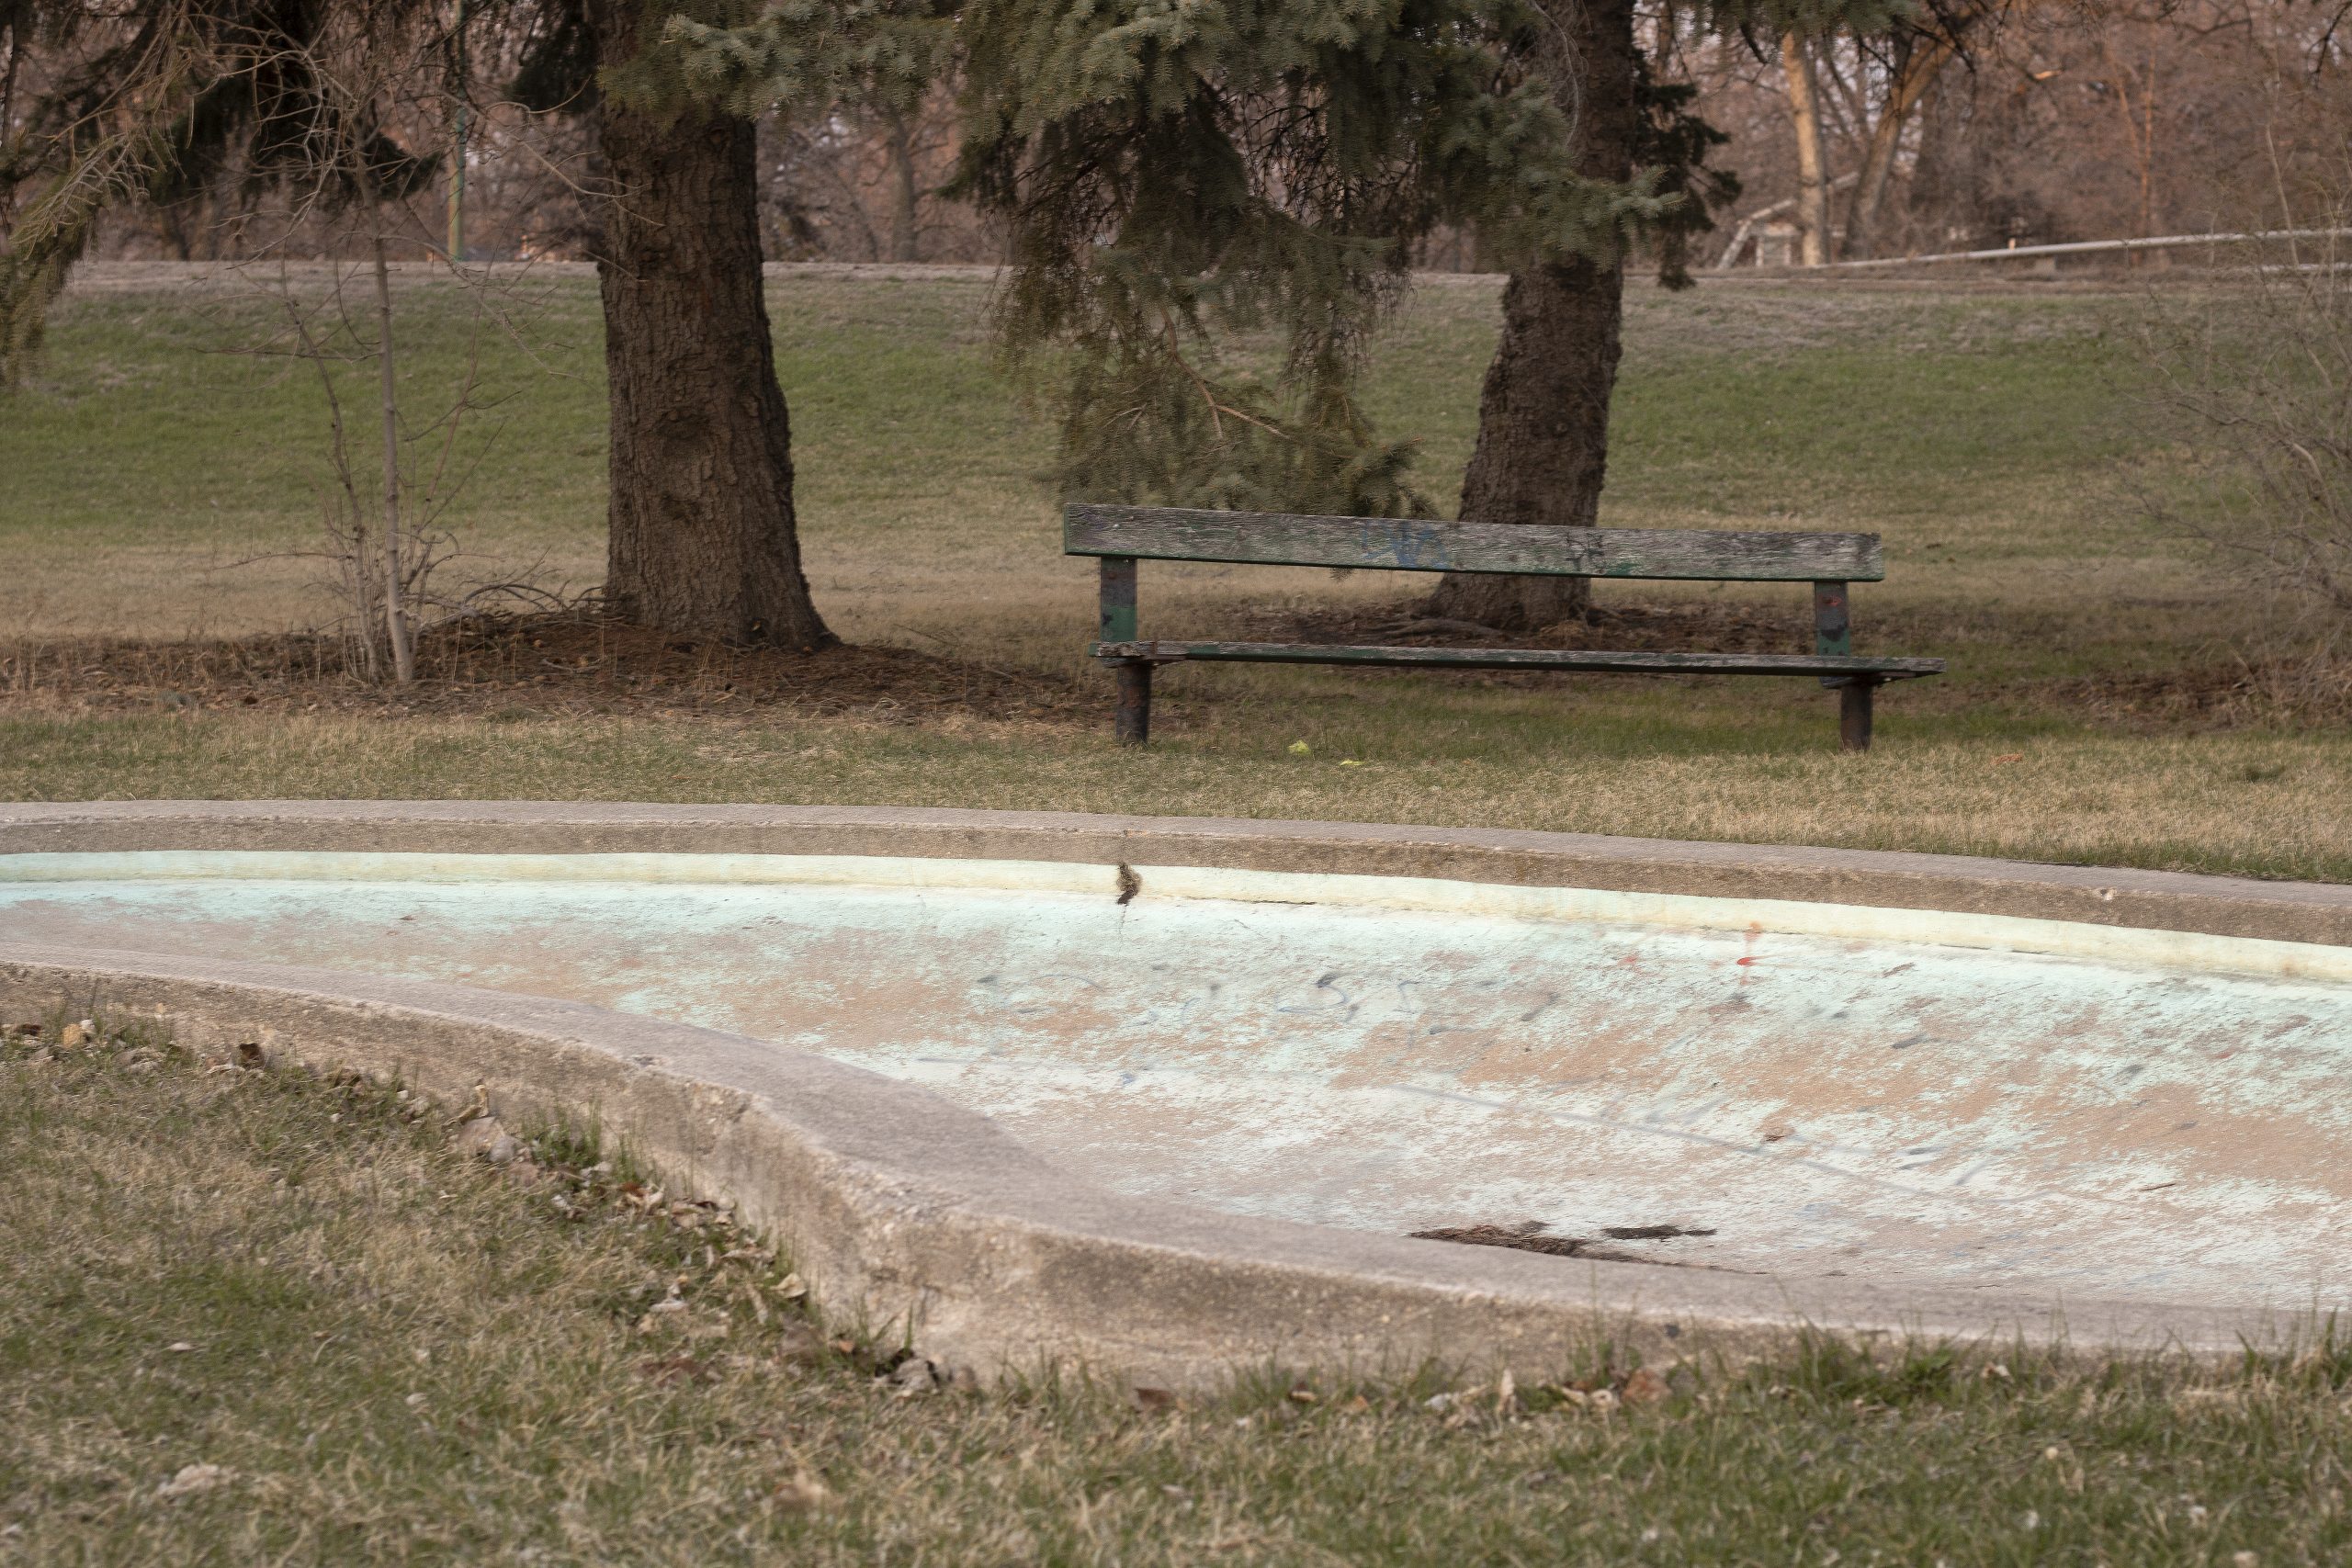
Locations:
(2221, 906)
(909, 1213)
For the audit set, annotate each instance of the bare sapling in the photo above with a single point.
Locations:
(351, 194)
(396, 625)
(2254, 380)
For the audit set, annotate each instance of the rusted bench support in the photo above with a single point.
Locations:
(1133, 723)
(1854, 712)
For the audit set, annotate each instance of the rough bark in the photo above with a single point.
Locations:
(1812, 173)
(1542, 449)
(703, 540)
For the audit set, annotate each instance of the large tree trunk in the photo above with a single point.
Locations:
(702, 541)
(1542, 447)
(1813, 171)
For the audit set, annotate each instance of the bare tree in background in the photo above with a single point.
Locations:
(1966, 124)
(1905, 65)
(341, 123)
(364, 78)
(2254, 382)
(1813, 164)
(860, 182)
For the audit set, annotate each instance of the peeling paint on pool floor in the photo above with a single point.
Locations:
(1900, 1094)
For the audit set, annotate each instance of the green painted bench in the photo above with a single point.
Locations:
(1121, 535)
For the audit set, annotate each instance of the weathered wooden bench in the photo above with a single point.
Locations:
(1121, 535)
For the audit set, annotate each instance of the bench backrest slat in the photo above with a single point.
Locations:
(1165, 533)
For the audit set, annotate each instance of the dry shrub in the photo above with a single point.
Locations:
(2254, 382)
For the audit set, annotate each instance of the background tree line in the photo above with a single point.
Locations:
(1164, 182)
(1969, 124)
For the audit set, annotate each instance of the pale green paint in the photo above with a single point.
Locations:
(1943, 928)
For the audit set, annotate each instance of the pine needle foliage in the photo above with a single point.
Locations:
(147, 98)
(1181, 177)
(1209, 205)
(800, 55)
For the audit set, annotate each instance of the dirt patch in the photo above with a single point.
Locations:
(579, 664)
(527, 667)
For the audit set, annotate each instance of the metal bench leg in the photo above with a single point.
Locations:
(1854, 715)
(1133, 724)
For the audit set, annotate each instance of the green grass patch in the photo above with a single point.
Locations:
(275, 1316)
(1973, 431)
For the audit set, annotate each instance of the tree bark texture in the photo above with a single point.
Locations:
(703, 540)
(1542, 447)
(1812, 172)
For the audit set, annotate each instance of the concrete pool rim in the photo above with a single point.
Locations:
(902, 1208)
(2317, 913)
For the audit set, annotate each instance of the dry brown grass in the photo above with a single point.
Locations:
(1599, 760)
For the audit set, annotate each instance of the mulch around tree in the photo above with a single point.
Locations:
(556, 665)
(571, 664)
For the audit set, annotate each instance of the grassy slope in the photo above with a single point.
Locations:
(1979, 431)
(1937, 419)
(397, 1356)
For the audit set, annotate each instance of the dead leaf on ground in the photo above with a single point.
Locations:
(798, 1345)
(670, 1371)
(484, 1137)
(803, 1493)
(1643, 1386)
(195, 1478)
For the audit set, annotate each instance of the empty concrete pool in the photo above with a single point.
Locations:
(1784, 1086)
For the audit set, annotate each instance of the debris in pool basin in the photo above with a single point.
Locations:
(1528, 1238)
(1652, 1232)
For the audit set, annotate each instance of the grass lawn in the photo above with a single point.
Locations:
(262, 1316)
(384, 1350)
(1977, 431)
(2099, 707)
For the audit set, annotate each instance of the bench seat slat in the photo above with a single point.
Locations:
(1161, 651)
(1163, 533)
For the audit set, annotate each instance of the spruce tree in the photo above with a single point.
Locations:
(1181, 179)
(1210, 206)
(702, 539)
(1542, 446)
